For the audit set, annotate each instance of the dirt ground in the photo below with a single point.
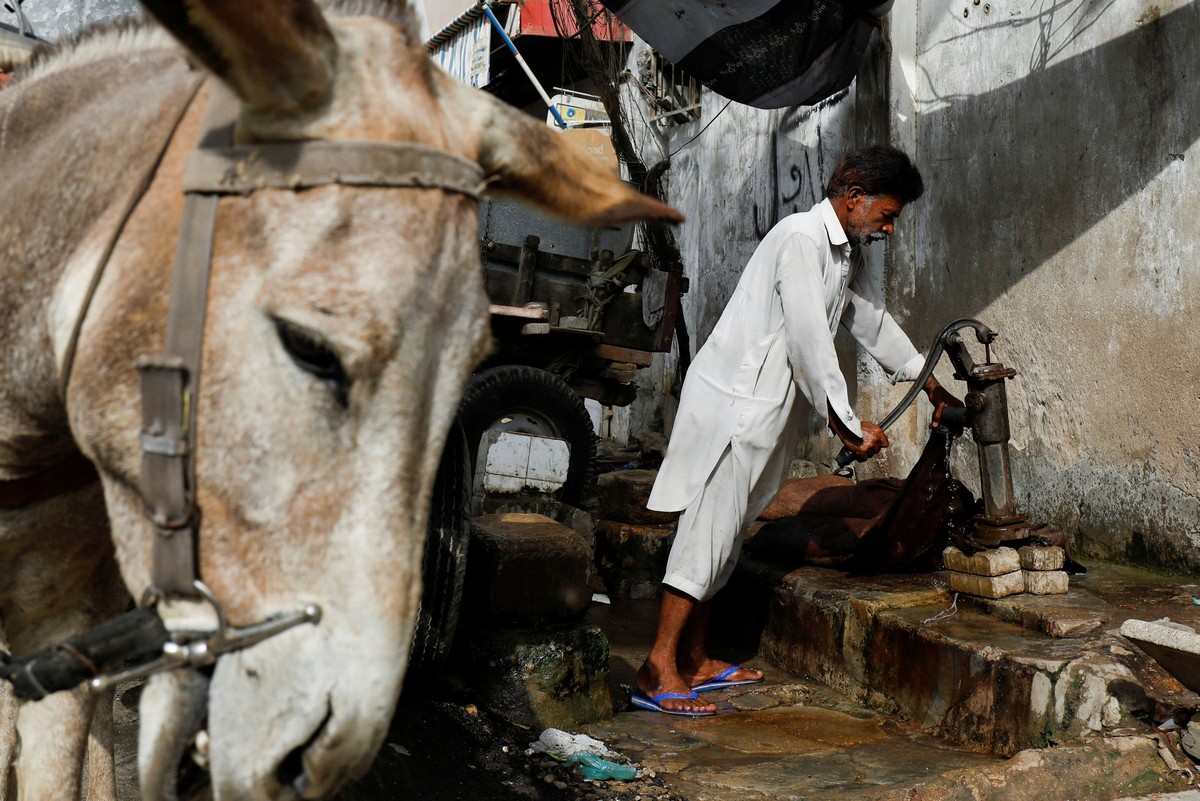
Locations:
(443, 748)
(440, 747)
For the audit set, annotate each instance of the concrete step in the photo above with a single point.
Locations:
(794, 739)
(1001, 676)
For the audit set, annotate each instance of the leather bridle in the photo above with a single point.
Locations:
(194, 619)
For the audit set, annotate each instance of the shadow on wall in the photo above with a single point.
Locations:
(1031, 166)
(1019, 173)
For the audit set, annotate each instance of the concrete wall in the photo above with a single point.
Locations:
(1058, 142)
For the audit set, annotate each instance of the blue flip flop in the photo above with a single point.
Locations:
(722, 680)
(654, 704)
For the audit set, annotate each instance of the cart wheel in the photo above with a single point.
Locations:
(445, 564)
(529, 400)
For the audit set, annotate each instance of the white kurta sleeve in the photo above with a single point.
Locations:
(881, 336)
(810, 349)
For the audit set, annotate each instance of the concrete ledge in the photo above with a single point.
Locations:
(1174, 646)
(970, 677)
(1106, 769)
(623, 495)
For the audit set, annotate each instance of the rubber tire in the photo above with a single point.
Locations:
(447, 538)
(551, 407)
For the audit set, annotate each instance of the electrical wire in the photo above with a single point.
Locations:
(702, 130)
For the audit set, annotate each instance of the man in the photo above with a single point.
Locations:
(739, 417)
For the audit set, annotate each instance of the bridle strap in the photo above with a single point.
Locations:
(171, 382)
(302, 165)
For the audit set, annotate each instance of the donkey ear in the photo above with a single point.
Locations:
(527, 158)
(277, 55)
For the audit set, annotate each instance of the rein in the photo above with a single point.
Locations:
(196, 630)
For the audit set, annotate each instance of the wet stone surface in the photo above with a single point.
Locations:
(785, 741)
(786, 738)
(796, 739)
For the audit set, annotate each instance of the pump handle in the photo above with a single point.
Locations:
(985, 335)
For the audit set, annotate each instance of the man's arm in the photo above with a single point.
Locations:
(809, 343)
(940, 397)
(880, 335)
(869, 322)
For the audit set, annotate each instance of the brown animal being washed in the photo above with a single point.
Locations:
(883, 525)
(342, 323)
(877, 526)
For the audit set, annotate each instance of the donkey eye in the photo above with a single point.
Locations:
(313, 355)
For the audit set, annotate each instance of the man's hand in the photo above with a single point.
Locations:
(940, 398)
(872, 442)
(873, 439)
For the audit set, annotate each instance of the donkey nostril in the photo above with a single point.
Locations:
(290, 772)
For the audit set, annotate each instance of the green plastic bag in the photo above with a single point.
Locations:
(594, 768)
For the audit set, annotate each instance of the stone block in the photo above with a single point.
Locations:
(632, 558)
(574, 518)
(990, 562)
(987, 586)
(623, 495)
(653, 444)
(1042, 557)
(554, 677)
(525, 569)
(1046, 582)
(1173, 646)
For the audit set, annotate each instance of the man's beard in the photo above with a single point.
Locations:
(859, 239)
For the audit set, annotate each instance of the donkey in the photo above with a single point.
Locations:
(342, 322)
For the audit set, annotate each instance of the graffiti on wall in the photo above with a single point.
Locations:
(804, 169)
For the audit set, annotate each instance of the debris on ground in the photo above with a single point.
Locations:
(561, 744)
(485, 759)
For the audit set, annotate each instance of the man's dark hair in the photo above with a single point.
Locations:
(878, 170)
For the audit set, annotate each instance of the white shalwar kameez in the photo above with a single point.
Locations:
(739, 418)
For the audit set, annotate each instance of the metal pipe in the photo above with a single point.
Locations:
(520, 60)
(984, 334)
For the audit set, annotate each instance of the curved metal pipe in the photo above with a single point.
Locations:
(985, 336)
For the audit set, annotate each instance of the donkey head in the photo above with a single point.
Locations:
(342, 324)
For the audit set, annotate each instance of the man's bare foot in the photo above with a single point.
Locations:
(710, 669)
(654, 681)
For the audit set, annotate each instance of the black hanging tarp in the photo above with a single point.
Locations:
(764, 53)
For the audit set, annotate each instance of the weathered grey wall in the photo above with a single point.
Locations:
(1058, 140)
